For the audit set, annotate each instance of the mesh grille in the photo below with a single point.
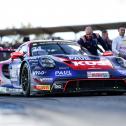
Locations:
(95, 85)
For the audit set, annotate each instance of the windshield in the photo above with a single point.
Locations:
(56, 48)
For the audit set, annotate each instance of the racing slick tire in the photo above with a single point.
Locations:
(25, 80)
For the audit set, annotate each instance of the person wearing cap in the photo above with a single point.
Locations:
(119, 43)
(91, 40)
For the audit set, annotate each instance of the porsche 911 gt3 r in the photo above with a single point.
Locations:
(63, 67)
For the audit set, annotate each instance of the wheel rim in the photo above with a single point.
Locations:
(24, 79)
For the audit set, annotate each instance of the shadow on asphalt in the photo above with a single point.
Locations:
(66, 95)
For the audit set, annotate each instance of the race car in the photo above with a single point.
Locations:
(59, 66)
(4, 71)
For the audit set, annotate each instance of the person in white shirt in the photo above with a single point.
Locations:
(119, 43)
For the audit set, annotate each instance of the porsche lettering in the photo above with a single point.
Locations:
(77, 58)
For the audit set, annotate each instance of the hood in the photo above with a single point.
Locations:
(77, 57)
(85, 62)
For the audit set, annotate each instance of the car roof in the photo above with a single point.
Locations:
(50, 41)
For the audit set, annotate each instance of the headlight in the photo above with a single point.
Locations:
(47, 62)
(121, 61)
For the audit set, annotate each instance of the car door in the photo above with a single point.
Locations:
(16, 64)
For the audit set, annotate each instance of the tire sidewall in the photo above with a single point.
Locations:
(28, 90)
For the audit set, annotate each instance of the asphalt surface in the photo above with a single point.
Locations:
(63, 111)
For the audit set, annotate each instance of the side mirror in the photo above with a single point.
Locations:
(16, 55)
(107, 53)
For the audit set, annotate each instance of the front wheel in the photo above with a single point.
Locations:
(25, 80)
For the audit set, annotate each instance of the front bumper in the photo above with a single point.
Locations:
(86, 85)
(83, 85)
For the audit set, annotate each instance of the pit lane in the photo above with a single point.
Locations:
(63, 111)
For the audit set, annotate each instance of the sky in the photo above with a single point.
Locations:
(47, 13)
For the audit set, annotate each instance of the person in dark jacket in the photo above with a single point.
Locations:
(91, 40)
(106, 39)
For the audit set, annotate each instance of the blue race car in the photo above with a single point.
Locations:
(58, 66)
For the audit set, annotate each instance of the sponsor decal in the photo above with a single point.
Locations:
(63, 68)
(122, 48)
(34, 64)
(12, 90)
(43, 87)
(91, 63)
(38, 51)
(38, 73)
(38, 68)
(57, 86)
(63, 73)
(46, 79)
(33, 60)
(100, 74)
(38, 48)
